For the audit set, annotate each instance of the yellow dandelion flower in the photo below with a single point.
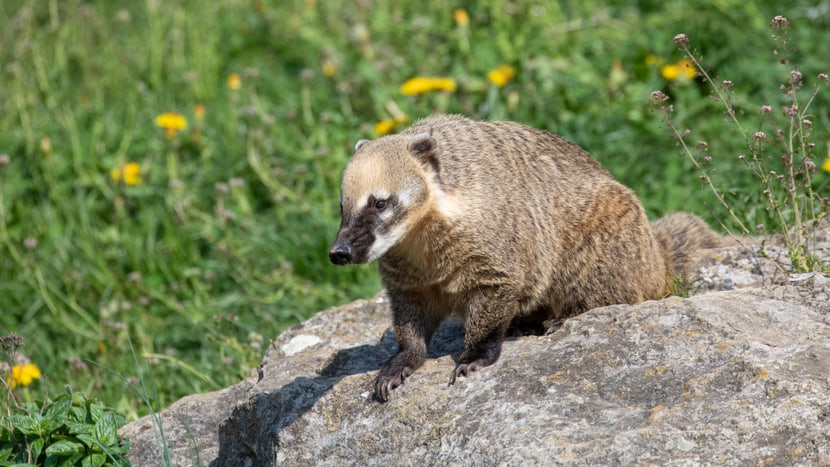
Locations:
(687, 67)
(328, 69)
(444, 84)
(385, 126)
(171, 122)
(461, 17)
(130, 173)
(670, 72)
(23, 375)
(501, 75)
(422, 84)
(826, 166)
(234, 82)
(199, 112)
(417, 85)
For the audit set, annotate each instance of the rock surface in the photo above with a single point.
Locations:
(731, 377)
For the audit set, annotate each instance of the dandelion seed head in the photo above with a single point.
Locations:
(306, 74)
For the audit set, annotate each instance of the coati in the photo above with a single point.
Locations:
(501, 224)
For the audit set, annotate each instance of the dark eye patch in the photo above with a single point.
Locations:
(377, 204)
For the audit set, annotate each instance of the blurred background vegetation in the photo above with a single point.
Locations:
(169, 170)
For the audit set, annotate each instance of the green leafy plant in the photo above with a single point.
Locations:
(72, 429)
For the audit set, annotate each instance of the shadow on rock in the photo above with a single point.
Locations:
(251, 435)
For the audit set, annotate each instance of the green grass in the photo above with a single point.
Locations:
(224, 243)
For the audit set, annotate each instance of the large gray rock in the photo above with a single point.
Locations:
(732, 377)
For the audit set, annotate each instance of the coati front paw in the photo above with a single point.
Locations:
(474, 360)
(466, 369)
(394, 371)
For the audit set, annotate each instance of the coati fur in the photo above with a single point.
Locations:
(503, 225)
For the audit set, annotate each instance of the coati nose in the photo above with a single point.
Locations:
(340, 254)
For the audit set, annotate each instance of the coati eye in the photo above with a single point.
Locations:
(380, 204)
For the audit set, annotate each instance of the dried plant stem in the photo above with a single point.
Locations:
(789, 190)
(704, 175)
(717, 88)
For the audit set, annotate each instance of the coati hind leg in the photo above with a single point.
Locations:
(488, 316)
(530, 324)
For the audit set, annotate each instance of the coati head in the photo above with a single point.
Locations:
(385, 191)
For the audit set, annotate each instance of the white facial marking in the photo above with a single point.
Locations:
(448, 205)
(381, 194)
(384, 243)
(361, 202)
(405, 197)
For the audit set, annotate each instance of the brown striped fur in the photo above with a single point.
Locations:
(500, 224)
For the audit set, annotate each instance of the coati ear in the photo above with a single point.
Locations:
(421, 145)
(360, 143)
(425, 148)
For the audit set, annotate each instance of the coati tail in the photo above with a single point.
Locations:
(680, 236)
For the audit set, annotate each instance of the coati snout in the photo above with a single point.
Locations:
(341, 254)
(364, 235)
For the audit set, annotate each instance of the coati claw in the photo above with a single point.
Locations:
(392, 375)
(385, 385)
(466, 369)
